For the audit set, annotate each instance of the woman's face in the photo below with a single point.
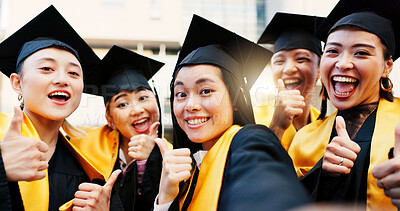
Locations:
(351, 67)
(298, 68)
(202, 104)
(51, 83)
(133, 112)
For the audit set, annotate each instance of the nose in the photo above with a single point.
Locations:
(136, 110)
(193, 103)
(345, 62)
(290, 67)
(61, 79)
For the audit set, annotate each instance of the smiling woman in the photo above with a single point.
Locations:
(335, 156)
(46, 61)
(213, 123)
(127, 142)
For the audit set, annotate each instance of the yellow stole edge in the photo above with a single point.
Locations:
(209, 182)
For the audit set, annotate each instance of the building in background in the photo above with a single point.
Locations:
(155, 28)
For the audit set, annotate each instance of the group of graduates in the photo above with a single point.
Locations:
(220, 158)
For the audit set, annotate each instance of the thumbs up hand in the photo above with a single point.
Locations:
(341, 153)
(176, 168)
(288, 105)
(388, 172)
(140, 146)
(24, 158)
(95, 197)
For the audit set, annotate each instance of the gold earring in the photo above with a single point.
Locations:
(390, 84)
(19, 97)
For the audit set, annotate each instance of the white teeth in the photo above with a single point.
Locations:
(344, 79)
(59, 94)
(292, 81)
(342, 93)
(197, 121)
(140, 121)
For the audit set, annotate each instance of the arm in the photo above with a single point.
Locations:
(259, 174)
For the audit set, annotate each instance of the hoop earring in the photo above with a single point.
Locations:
(389, 83)
(19, 97)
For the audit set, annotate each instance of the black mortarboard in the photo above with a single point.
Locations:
(121, 69)
(292, 31)
(47, 29)
(208, 43)
(378, 17)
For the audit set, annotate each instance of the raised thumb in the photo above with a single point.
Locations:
(16, 123)
(153, 129)
(281, 85)
(341, 128)
(110, 183)
(162, 145)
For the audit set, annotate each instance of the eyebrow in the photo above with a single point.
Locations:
(119, 96)
(353, 46)
(199, 81)
(53, 60)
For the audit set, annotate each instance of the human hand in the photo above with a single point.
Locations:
(341, 153)
(388, 172)
(140, 146)
(24, 158)
(93, 196)
(176, 168)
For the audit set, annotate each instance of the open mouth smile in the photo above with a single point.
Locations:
(344, 86)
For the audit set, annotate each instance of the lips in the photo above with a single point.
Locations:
(344, 86)
(291, 84)
(141, 125)
(59, 97)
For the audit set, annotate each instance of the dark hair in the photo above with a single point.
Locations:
(241, 103)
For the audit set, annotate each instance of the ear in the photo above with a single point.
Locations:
(318, 75)
(388, 68)
(15, 80)
(109, 118)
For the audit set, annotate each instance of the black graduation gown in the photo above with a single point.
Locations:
(65, 175)
(125, 195)
(344, 189)
(258, 175)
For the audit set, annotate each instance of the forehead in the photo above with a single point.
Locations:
(293, 52)
(55, 54)
(194, 72)
(352, 34)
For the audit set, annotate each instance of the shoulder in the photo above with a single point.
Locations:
(255, 133)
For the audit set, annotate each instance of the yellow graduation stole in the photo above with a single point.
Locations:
(35, 194)
(310, 143)
(209, 182)
(100, 147)
(263, 115)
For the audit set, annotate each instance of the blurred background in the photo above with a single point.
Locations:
(155, 28)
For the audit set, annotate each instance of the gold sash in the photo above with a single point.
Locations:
(209, 182)
(35, 194)
(310, 143)
(263, 115)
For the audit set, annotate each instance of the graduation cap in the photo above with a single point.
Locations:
(121, 69)
(292, 31)
(378, 17)
(208, 43)
(47, 29)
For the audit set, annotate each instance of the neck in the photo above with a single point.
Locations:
(124, 145)
(47, 129)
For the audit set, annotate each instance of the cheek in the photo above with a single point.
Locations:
(276, 72)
